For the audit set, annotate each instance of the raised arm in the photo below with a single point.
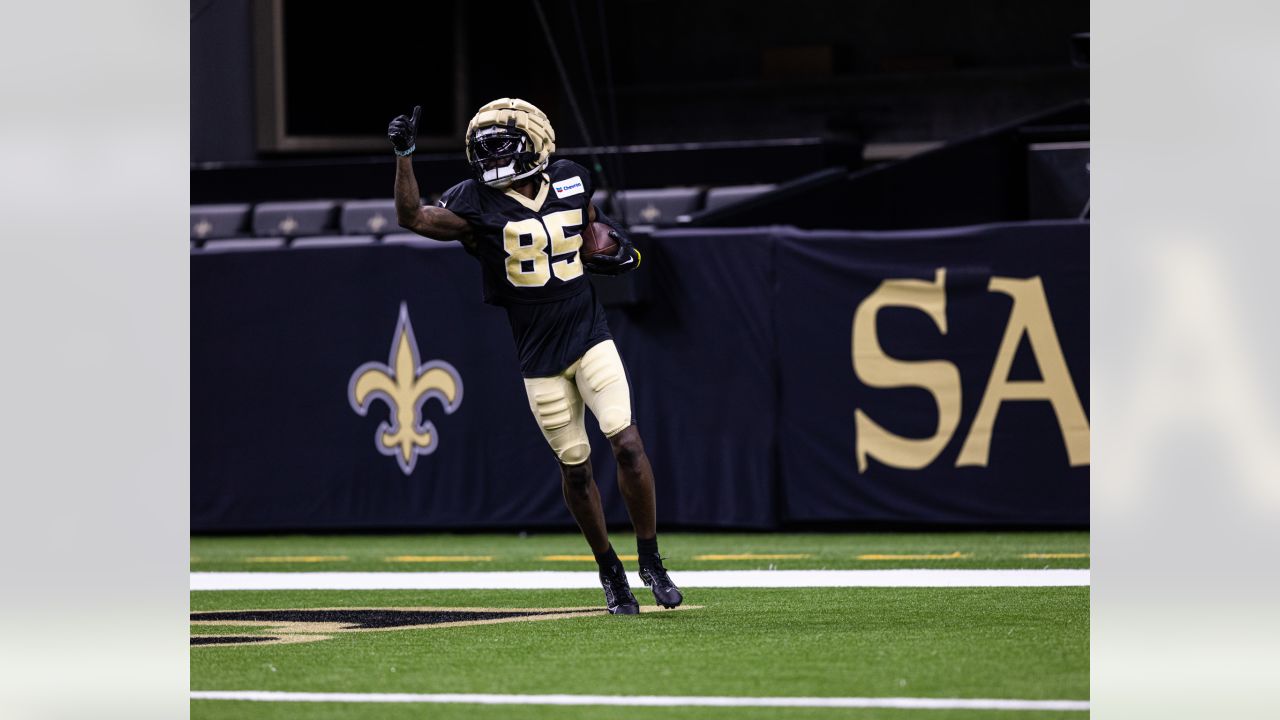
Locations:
(436, 223)
(428, 221)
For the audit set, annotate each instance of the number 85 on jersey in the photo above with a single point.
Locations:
(530, 263)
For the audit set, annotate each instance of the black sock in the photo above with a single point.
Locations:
(608, 559)
(648, 550)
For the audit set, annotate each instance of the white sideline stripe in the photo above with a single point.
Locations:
(647, 700)
(566, 580)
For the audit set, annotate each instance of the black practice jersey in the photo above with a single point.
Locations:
(528, 253)
(528, 249)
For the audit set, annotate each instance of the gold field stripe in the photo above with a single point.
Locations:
(439, 558)
(1054, 556)
(755, 556)
(951, 556)
(296, 558)
(582, 558)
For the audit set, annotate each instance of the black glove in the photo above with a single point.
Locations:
(625, 260)
(403, 132)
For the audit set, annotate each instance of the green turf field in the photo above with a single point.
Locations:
(417, 553)
(972, 642)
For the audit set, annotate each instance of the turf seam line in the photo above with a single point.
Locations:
(917, 703)
(566, 580)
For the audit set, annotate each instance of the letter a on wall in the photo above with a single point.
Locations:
(1030, 315)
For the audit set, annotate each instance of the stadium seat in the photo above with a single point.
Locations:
(369, 217)
(662, 206)
(219, 221)
(332, 241)
(413, 239)
(721, 196)
(295, 219)
(243, 244)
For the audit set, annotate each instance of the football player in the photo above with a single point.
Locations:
(521, 216)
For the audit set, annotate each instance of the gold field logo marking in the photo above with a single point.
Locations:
(405, 384)
(948, 556)
(223, 628)
(756, 556)
(438, 558)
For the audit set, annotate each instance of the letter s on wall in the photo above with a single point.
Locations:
(878, 370)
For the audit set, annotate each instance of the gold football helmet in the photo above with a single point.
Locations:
(509, 139)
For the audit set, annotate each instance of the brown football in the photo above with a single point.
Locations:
(596, 240)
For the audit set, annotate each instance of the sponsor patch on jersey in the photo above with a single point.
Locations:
(565, 188)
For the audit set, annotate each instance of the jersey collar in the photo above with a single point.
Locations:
(536, 203)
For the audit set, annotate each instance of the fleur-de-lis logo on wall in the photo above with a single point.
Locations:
(405, 385)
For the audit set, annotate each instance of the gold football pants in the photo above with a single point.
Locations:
(598, 379)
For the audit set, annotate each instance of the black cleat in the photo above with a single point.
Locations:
(665, 592)
(617, 592)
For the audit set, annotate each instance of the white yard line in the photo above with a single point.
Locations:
(564, 580)
(648, 700)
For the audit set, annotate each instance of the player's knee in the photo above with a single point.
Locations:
(575, 454)
(614, 419)
(576, 477)
(628, 451)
